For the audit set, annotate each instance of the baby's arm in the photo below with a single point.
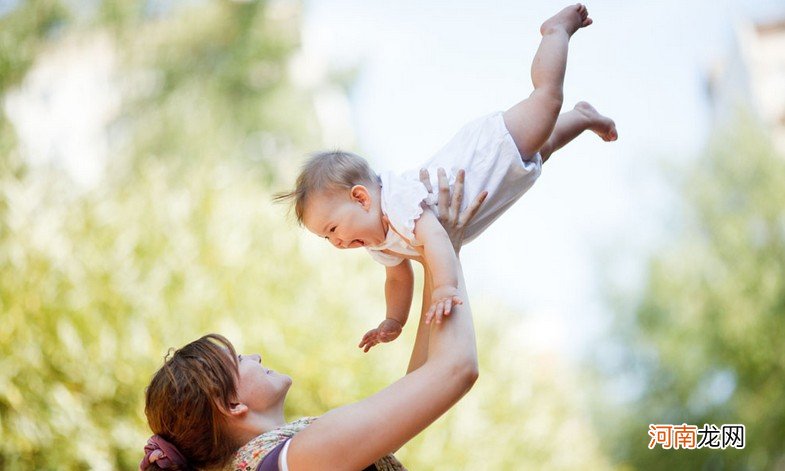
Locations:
(398, 291)
(442, 262)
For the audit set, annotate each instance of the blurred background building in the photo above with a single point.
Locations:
(751, 76)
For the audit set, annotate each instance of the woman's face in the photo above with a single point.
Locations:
(260, 388)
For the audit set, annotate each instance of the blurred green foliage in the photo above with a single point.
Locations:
(23, 34)
(705, 344)
(179, 239)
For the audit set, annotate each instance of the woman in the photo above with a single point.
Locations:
(210, 407)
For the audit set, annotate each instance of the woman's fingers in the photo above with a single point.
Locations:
(425, 178)
(471, 210)
(457, 196)
(449, 201)
(444, 195)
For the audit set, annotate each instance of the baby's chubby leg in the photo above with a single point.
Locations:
(531, 121)
(572, 123)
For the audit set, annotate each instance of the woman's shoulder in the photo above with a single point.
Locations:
(248, 457)
(251, 455)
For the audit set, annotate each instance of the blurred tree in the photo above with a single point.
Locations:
(95, 283)
(706, 343)
(23, 33)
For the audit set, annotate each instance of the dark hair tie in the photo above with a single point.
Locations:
(162, 453)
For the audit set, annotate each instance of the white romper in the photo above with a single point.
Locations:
(488, 154)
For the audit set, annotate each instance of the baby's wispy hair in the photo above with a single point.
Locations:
(327, 171)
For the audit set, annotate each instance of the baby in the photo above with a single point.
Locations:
(338, 196)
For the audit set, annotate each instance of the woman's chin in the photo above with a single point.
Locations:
(287, 380)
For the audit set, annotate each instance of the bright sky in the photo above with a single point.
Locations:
(426, 68)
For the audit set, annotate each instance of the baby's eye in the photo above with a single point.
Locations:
(332, 229)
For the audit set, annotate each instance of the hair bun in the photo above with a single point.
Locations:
(163, 454)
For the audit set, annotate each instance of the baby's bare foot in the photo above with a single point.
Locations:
(603, 126)
(569, 20)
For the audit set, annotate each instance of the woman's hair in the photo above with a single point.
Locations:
(187, 400)
(332, 170)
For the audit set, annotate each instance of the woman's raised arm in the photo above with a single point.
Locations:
(354, 436)
(454, 222)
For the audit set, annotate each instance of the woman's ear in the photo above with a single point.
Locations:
(237, 409)
(361, 195)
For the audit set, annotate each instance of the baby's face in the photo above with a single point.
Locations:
(347, 218)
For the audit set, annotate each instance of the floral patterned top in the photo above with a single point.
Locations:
(250, 455)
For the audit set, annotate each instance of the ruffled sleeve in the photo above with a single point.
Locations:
(385, 259)
(401, 203)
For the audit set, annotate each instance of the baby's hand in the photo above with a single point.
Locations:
(443, 298)
(387, 331)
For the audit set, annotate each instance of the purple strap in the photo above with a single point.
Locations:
(270, 462)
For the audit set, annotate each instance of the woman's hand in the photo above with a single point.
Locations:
(448, 207)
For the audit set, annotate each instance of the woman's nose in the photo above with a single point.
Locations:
(257, 357)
